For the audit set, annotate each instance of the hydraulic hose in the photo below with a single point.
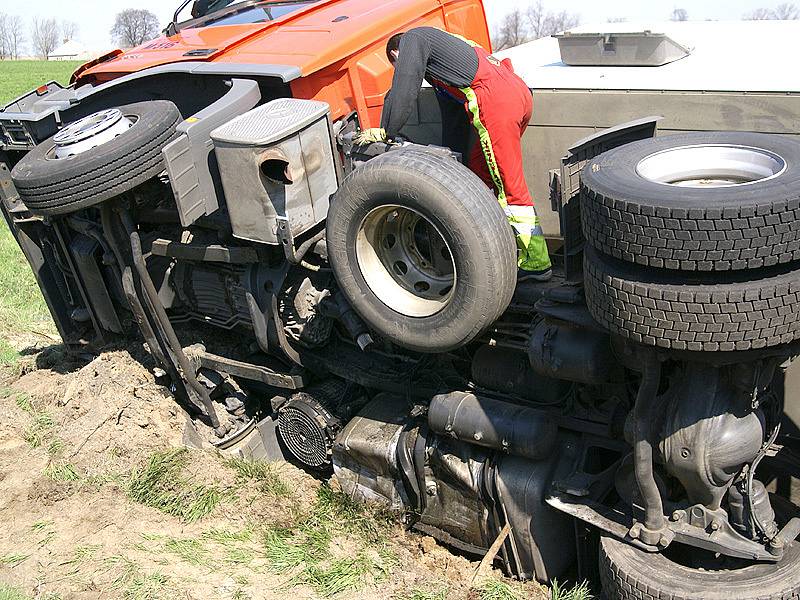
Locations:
(643, 450)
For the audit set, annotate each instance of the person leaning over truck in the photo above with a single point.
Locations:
(495, 101)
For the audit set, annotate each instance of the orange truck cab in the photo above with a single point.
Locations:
(217, 67)
(327, 50)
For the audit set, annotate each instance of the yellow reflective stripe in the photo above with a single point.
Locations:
(523, 213)
(533, 254)
(486, 143)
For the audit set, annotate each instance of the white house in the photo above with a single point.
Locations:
(71, 50)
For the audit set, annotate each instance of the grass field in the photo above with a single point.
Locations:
(22, 308)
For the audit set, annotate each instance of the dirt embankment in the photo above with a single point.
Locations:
(99, 499)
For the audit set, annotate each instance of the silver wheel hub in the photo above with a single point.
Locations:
(405, 261)
(711, 165)
(90, 132)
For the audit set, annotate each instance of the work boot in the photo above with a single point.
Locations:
(543, 275)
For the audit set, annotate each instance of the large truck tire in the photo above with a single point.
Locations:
(628, 573)
(703, 312)
(422, 250)
(49, 184)
(696, 202)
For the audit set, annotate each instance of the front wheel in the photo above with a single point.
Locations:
(96, 158)
(628, 573)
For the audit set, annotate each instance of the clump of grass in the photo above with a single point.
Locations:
(420, 594)
(61, 472)
(224, 537)
(12, 560)
(270, 482)
(344, 513)
(41, 422)
(160, 484)
(81, 554)
(188, 550)
(8, 355)
(340, 575)
(494, 589)
(23, 401)
(11, 593)
(135, 584)
(305, 550)
(39, 429)
(577, 592)
(55, 447)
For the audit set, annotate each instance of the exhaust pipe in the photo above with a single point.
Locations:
(517, 430)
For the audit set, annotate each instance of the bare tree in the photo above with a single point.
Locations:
(679, 14)
(4, 37)
(134, 26)
(512, 31)
(782, 12)
(15, 27)
(617, 20)
(44, 36)
(543, 23)
(786, 12)
(69, 29)
(759, 14)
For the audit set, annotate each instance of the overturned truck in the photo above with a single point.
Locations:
(356, 309)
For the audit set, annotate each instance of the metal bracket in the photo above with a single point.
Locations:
(710, 529)
(286, 239)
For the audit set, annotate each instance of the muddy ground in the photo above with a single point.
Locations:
(99, 499)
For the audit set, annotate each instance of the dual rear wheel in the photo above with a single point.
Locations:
(694, 241)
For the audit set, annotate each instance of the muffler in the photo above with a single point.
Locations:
(514, 429)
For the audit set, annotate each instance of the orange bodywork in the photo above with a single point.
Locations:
(338, 46)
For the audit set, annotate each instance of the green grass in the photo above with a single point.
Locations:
(188, 550)
(22, 308)
(18, 77)
(61, 472)
(577, 592)
(133, 583)
(420, 594)
(270, 482)
(12, 560)
(10, 593)
(306, 551)
(41, 422)
(494, 589)
(161, 484)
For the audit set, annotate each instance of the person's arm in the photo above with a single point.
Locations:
(409, 71)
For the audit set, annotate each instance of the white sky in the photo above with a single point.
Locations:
(95, 17)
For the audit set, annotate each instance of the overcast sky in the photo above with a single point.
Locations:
(95, 17)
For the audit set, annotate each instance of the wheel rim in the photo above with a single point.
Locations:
(406, 261)
(89, 132)
(711, 165)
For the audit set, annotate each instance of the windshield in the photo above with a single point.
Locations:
(213, 13)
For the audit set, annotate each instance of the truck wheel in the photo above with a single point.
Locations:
(696, 201)
(96, 158)
(628, 573)
(702, 312)
(422, 250)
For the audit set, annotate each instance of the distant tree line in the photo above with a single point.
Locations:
(525, 24)
(42, 36)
